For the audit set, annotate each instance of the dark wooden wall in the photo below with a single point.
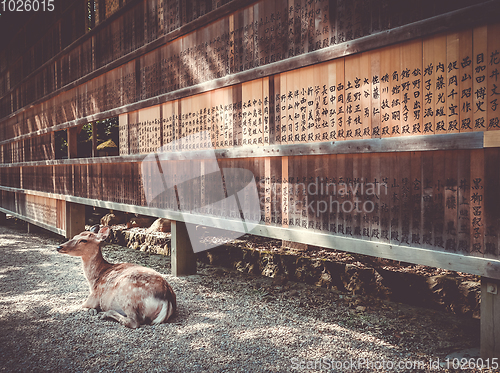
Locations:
(344, 95)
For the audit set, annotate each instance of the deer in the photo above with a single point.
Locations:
(129, 293)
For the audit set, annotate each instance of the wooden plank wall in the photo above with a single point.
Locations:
(438, 200)
(423, 87)
(441, 200)
(240, 40)
(432, 86)
(47, 212)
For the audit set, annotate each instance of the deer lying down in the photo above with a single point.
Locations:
(129, 293)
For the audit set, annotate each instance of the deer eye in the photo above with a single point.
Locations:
(84, 241)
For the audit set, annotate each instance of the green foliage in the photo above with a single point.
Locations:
(61, 144)
(106, 129)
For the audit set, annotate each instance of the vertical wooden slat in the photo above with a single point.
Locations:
(492, 206)
(331, 97)
(405, 196)
(463, 202)
(434, 92)
(366, 95)
(283, 108)
(451, 217)
(375, 112)
(465, 80)
(237, 115)
(298, 83)
(348, 207)
(476, 212)
(357, 216)
(395, 111)
(411, 88)
(493, 64)
(385, 91)
(374, 194)
(438, 199)
(428, 199)
(452, 82)
(340, 78)
(266, 125)
(384, 203)
(321, 104)
(267, 193)
(479, 78)
(394, 205)
(352, 98)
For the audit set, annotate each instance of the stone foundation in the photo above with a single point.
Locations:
(452, 293)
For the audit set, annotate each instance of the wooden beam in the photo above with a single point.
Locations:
(467, 17)
(491, 139)
(72, 142)
(452, 141)
(75, 219)
(490, 318)
(456, 262)
(183, 259)
(33, 221)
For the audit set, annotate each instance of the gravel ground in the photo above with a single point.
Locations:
(226, 322)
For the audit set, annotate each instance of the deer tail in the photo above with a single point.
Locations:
(167, 310)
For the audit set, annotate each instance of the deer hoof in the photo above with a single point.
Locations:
(93, 312)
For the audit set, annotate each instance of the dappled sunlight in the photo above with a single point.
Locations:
(9, 269)
(276, 334)
(201, 344)
(8, 242)
(213, 315)
(195, 328)
(223, 319)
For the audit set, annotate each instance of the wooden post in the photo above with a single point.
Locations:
(490, 318)
(183, 259)
(75, 219)
(53, 145)
(94, 140)
(72, 142)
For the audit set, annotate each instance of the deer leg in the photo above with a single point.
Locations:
(129, 322)
(93, 304)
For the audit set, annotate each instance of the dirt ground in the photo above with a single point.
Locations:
(226, 322)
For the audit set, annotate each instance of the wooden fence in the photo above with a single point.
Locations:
(369, 126)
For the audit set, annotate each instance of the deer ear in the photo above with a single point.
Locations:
(103, 233)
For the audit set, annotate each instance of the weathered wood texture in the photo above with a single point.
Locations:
(438, 200)
(369, 126)
(490, 308)
(47, 212)
(224, 46)
(383, 146)
(402, 90)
